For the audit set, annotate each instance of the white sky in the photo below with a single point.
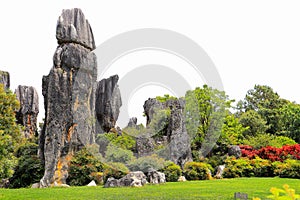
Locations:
(250, 42)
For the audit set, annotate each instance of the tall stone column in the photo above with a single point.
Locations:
(69, 97)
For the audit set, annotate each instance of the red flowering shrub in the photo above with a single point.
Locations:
(272, 153)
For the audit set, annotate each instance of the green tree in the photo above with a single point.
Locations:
(232, 131)
(255, 122)
(290, 116)
(267, 103)
(205, 113)
(10, 135)
(29, 169)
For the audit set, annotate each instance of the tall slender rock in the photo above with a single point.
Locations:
(179, 140)
(69, 97)
(29, 109)
(108, 103)
(178, 147)
(5, 79)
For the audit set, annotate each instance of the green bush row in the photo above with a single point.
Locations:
(258, 167)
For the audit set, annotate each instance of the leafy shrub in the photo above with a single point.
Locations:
(116, 154)
(197, 171)
(287, 169)
(29, 169)
(215, 160)
(171, 171)
(123, 141)
(280, 141)
(146, 163)
(272, 153)
(94, 150)
(264, 140)
(261, 167)
(245, 167)
(237, 168)
(259, 140)
(115, 170)
(165, 98)
(83, 166)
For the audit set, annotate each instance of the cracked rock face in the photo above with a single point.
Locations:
(69, 97)
(72, 27)
(5, 79)
(108, 103)
(178, 147)
(29, 109)
(179, 140)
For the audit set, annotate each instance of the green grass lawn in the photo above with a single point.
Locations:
(214, 189)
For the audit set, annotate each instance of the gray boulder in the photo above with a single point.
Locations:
(5, 79)
(234, 150)
(133, 179)
(69, 97)
(155, 177)
(29, 109)
(108, 103)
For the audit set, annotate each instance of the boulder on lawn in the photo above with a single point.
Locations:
(181, 179)
(92, 183)
(133, 179)
(220, 170)
(155, 177)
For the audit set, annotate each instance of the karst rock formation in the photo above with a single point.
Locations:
(108, 103)
(29, 109)
(69, 97)
(5, 79)
(175, 135)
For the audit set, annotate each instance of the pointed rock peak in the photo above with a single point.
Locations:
(72, 27)
(4, 79)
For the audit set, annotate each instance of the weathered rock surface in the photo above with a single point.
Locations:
(178, 149)
(134, 179)
(235, 151)
(150, 108)
(108, 103)
(69, 97)
(144, 145)
(181, 179)
(4, 183)
(5, 79)
(179, 140)
(155, 177)
(72, 27)
(29, 109)
(220, 170)
(132, 122)
(92, 183)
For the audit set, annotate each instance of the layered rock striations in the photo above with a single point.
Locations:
(5, 79)
(69, 97)
(108, 103)
(29, 109)
(174, 135)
